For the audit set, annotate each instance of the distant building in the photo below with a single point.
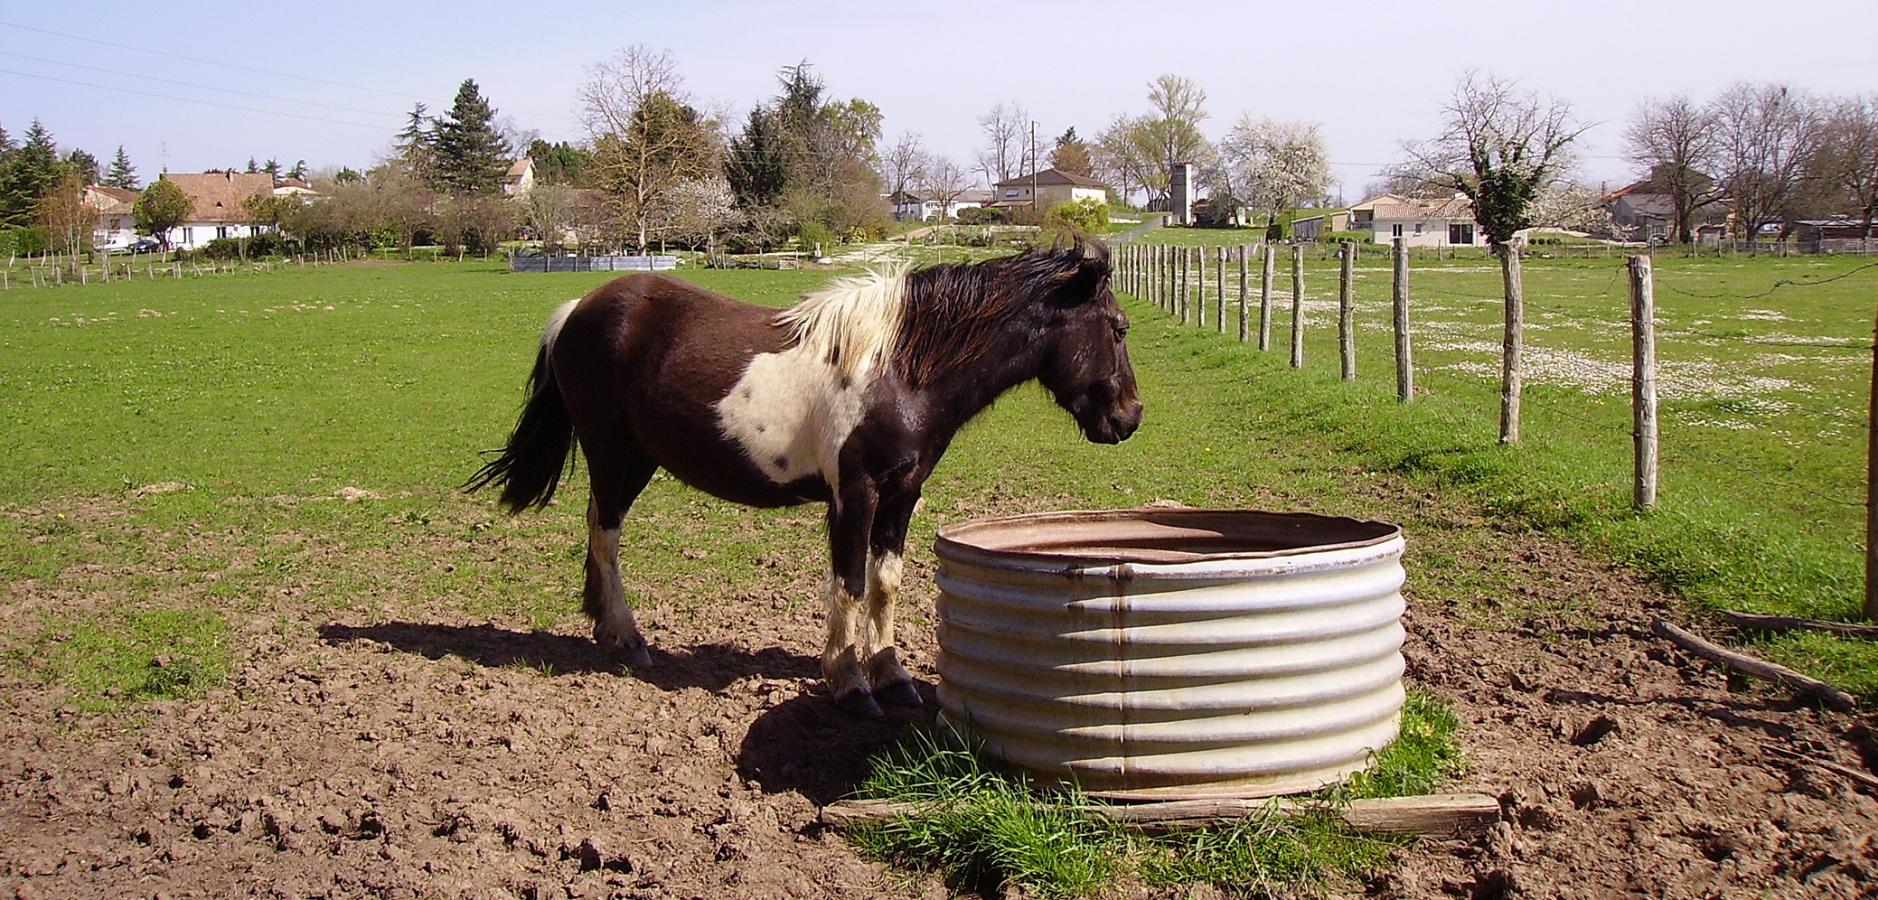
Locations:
(221, 209)
(1311, 228)
(1052, 187)
(296, 187)
(1644, 212)
(923, 206)
(116, 227)
(520, 178)
(1445, 222)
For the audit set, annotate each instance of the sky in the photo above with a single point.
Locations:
(331, 84)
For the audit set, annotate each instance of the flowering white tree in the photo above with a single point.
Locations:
(1575, 207)
(1273, 165)
(700, 209)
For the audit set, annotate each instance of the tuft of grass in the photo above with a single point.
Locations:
(156, 654)
(986, 828)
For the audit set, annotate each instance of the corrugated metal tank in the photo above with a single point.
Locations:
(1152, 653)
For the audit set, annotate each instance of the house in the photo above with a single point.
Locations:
(1644, 212)
(116, 227)
(221, 206)
(1052, 187)
(1839, 234)
(296, 187)
(1312, 228)
(520, 178)
(923, 206)
(1420, 222)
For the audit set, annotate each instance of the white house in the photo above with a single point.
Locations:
(922, 205)
(1052, 187)
(520, 178)
(116, 227)
(220, 206)
(297, 187)
(1446, 222)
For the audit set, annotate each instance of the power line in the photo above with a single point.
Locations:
(206, 87)
(124, 90)
(198, 59)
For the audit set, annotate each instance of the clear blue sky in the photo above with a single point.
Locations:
(1372, 73)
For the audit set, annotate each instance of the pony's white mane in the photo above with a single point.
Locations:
(855, 320)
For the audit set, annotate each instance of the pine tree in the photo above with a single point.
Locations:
(272, 168)
(121, 174)
(30, 170)
(416, 143)
(6, 143)
(298, 171)
(252, 168)
(84, 164)
(470, 155)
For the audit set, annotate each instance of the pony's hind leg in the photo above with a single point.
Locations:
(617, 482)
(887, 678)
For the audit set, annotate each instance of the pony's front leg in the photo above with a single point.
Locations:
(850, 518)
(890, 681)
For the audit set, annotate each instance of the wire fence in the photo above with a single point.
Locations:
(1736, 427)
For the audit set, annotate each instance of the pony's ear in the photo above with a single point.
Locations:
(1085, 267)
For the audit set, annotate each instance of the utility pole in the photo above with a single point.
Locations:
(1033, 165)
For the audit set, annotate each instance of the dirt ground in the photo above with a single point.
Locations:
(428, 755)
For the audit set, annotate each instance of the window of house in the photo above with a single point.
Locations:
(221, 231)
(1418, 228)
(1396, 229)
(1461, 233)
(1010, 192)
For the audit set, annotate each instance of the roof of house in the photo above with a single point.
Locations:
(1392, 206)
(293, 183)
(115, 200)
(1052, 177)
(517, 169)
(221, 196)
(1648, 203)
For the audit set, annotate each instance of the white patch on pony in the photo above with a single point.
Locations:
(557, 319)
(792, 410)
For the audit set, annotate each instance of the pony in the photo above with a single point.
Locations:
(847, 398)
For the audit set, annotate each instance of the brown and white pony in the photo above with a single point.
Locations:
(847, 398)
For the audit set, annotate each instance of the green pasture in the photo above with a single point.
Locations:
(180, 455)
(1764, 380)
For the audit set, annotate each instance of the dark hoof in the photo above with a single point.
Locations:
(899, 693)
(637, 657)
(859, 704)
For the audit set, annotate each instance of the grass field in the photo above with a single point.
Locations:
(179, 454)
(1764, 376)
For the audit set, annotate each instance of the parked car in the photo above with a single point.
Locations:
(145, 244)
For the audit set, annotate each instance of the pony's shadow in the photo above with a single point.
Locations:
(805, 745)
(712, 667)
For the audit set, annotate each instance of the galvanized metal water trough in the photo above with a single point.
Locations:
(1158, 653)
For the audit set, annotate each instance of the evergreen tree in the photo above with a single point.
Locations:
(758, 163)
(121, 174)
(84, 164)
(272, 168)
(252, 168)
(471, 156)
(298, 171)
(30, 171)
(416, 142)
(6, 143)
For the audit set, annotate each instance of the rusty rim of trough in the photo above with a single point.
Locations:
(1158, 535)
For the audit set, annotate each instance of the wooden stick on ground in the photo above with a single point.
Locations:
(1753, 622)
(1866, 779)
(1425, 814)
(1802, 685)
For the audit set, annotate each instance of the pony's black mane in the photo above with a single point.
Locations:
(954, 311)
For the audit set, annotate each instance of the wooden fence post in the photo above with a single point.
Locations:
(1643, 381)
(1297, 306)
(1404, 364)
(1265, 296)
(1199, 286)
(1512, 343)
(1346, 308)
(1871, 489)
(1186, 261)
(1245, 320)
(1219, 281)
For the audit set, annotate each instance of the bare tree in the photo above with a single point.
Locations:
(1848, 157)
(1672, 139)
(1766, 135)
(548, 209)
(62, 213)
(1273, 165)
(1125, 156)
(1500, 147)
(944, 182)
(1007, 141)
(904, 163)
(1179, 106)
(646, 138)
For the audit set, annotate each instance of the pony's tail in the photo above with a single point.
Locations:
(531, 466)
